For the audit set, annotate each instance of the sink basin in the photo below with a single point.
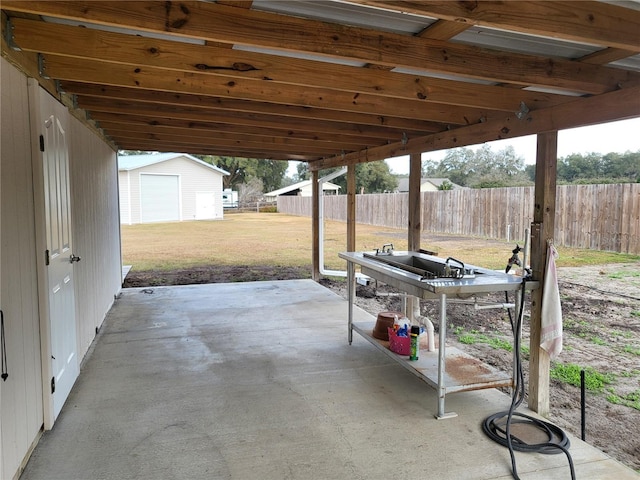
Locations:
(426, 266)
(426, 276)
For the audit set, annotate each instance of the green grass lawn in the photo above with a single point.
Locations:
(285, 240)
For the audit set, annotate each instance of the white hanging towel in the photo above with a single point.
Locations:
(551, 334)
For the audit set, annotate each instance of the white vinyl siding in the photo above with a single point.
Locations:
(124, 194)
(21, 407)
(95, 223)
(159, 198)
(96, 230)
(205, 205)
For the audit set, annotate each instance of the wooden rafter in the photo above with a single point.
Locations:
(230, 68)
(311, 95)
(219, 23)
(582, 21)
(374, 125)
(250, 121)
(151, 78)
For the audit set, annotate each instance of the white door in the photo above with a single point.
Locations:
(159, 198)
(205, 205)
(62, 321)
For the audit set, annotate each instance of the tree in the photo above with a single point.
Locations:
(251, 191)
(271, 172)
(430, 168)
(622, 165)
(446, 185)
(242, 170)
(375, 177)
(598, 168)
(577, 166)
(483, 168)
(530, 172)
(303, 172)
(234, 165)
(457, 165)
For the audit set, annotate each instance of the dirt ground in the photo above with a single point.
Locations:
(601, 314)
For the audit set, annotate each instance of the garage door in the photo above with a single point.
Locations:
(159, 198)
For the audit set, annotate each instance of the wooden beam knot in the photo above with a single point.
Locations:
(178, 23)
(236, 67)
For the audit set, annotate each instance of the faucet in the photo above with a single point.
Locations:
(449, 272)
(388, 247)
(455, 260)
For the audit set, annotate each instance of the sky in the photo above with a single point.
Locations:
(605, 138)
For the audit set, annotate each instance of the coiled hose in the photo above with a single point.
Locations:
(498, 426)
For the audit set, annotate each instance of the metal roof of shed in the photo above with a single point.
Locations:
(133, 162)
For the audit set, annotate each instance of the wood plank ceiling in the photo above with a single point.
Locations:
(332, 82)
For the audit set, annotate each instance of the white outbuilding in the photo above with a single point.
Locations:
(301, 189)
(168, 187)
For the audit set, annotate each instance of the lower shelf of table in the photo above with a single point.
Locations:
(462, 371)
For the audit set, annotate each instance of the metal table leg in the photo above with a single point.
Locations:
(442, 390)
(351, 289)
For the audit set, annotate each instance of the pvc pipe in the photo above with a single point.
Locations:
(525, 253)
(323, 271)
(391, 294)
(477, 306)
(430, 332)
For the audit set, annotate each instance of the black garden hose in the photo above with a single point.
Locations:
(498, 426)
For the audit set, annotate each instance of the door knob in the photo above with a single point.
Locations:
(74, 258)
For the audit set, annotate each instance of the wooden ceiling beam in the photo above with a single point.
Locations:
(220, 23)
(149, 78)
(443, 30)
(234, 105)
(234, 65)
(222, 67)
(246, 143)
(619, 105)
(189, 114)
(156, 146)
(122, 130)
(134, 123)
(579, 21)
(606, 55)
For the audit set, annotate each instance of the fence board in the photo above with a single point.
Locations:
(599, 217)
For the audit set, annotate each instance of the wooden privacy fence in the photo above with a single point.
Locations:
(598, 217)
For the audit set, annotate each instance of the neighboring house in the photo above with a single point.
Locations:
(168, 187)
(302, 189)
(426, 184)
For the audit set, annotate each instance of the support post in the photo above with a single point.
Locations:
(415, 203)
(315, 226)
(414, 222)
(541, 230)
(351, 242)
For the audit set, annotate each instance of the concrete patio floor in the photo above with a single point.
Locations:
(257, 381)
